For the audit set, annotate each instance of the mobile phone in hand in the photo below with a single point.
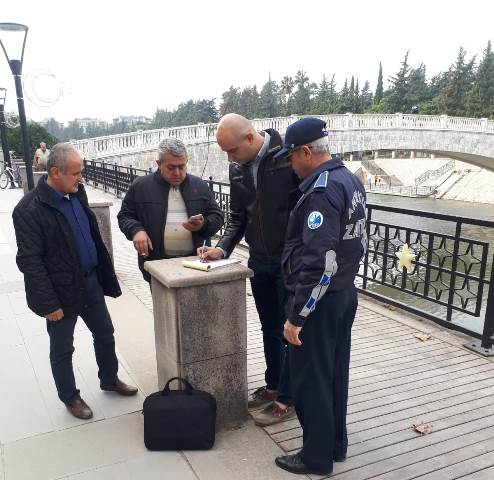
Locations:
(196, 217)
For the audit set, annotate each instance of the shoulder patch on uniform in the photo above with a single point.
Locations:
(315, 220)
(322, 180)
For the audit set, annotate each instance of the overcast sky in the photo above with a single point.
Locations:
(128, 57)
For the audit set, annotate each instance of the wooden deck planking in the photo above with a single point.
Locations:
(395, 381)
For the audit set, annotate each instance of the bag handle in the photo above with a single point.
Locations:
(188, 386)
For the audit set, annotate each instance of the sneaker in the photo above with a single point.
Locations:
(261, 397)
(272, 414)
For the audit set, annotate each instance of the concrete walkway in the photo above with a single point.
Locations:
(396, 381)
(40, 440)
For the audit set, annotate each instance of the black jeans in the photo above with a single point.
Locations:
(319, 370)
(96, 317)
(271, 296)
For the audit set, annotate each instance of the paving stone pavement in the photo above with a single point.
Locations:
(40, 440)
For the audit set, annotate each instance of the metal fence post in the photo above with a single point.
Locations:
(487, 340)
(93, 170)
(132, 176)
(117, 192)
(454, 265)
(366, 255)
(105, 186)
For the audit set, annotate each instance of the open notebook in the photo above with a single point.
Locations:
(209, 265)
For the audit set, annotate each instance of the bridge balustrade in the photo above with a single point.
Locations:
(148, 139)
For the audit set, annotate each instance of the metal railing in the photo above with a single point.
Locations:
(111, 177)
(450, 269)
(453, 268)
(402, 190)
(433, 174)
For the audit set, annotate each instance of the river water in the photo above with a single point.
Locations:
(448, 207)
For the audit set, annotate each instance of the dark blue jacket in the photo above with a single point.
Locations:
(326, 238)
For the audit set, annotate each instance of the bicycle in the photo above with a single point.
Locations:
(10, 176)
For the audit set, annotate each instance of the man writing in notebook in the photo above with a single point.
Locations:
(262, 192)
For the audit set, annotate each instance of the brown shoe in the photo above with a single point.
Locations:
(272, 414)
(80, 409)
(261, 397)
(121, 388)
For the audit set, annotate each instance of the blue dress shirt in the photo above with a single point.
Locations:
(71, 208)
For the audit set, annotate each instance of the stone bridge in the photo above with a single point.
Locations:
(467, 139)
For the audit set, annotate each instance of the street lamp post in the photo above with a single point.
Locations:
(3, 132)
(15, 34)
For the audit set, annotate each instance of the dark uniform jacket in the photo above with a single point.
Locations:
(326, 238)
(48, 257)
(261, 214)
(145, 208)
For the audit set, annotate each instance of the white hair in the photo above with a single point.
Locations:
(171, 146)
(320, 146)
(58, 156)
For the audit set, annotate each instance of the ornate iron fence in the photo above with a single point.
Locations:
(453, 266)
(452, 269)
(111, 177)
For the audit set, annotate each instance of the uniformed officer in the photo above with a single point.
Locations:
(326, 239)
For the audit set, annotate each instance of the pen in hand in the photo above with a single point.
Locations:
(201, 258)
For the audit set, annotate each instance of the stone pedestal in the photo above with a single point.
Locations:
(201, 331)
(102, 212)
(36, 177)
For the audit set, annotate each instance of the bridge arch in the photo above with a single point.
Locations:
(468, 139)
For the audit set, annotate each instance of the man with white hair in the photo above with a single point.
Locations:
(326, 239)
(67, 271)
(41, 157)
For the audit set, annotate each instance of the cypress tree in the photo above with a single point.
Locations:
(480, 101)
(379, 89)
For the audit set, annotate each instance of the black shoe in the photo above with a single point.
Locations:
(294, 464)
(339, 457)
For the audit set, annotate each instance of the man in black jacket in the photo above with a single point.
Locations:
(169, 213)
(67, 271)
(262, 192)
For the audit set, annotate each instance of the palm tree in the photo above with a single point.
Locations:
(287, 86)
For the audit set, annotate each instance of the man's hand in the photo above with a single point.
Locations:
(193, 224)
(55, 316)
(142, 243)
(209, 253)
(291, 333)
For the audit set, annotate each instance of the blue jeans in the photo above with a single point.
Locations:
(98, 321)
(271, 296)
